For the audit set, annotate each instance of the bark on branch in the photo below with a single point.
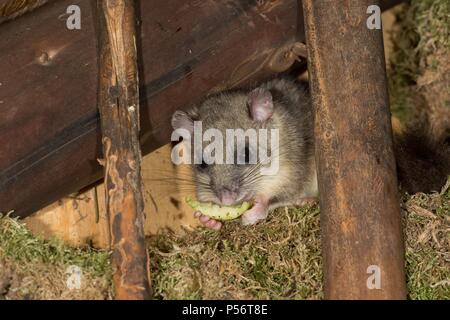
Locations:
(118, 100)
(360, 215)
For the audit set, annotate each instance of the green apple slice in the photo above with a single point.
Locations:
(217, 212)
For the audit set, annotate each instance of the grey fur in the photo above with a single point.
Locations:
(292, 115)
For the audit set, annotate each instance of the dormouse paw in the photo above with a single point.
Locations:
(257, 213)
(307, 201)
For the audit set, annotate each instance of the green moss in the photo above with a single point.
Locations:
(277, 259)
(427, 225)
(423, 30)
(281, 259)
(422, 33)
(18, 244)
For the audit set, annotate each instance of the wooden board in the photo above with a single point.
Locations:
(49, 129)
(74, 219)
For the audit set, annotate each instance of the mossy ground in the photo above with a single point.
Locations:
(427, 242)
(281, 259)
(419, 72)
(277, 259)
(31, 268)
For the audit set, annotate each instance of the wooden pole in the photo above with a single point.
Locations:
(360, 216)
(118, 100)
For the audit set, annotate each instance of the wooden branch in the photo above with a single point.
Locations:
(119, 112)
(360, 215)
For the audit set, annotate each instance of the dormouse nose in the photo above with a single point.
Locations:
(227, 197)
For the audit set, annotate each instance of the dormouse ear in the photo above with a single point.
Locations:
(260, 104)
(181, 120)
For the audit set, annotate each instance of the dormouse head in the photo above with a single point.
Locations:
(229, 171)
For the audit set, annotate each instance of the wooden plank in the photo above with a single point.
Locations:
(360, 215)
(80, 219)
(49, 126)
(49, 129)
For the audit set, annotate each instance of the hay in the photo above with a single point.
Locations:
(280, 258)
(419, 74)
(277, 259)
(427, 242)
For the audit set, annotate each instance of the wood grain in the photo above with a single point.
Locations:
(360, 214)
(74, 220)
(49, 125)
(118, 102)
